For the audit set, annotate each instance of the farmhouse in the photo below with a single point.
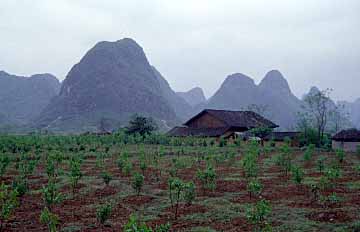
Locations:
(348, 140)
(221, 123)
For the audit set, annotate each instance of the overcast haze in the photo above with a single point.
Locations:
(193, 43)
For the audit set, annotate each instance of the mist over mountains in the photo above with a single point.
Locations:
(115, 80)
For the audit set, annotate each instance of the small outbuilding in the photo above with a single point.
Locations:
(221, 123)
(348, 140)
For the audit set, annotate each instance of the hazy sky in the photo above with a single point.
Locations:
(193, 42)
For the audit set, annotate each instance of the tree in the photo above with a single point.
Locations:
(318, 105)
(141, 125)
(338, 118)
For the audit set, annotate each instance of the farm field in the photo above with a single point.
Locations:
(97, 183)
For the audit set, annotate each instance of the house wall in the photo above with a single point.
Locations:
(346, 146)
(207, 121)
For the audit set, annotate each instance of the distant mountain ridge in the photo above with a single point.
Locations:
(113, 81)
(23, 98)
(273, 94)
(194, 96)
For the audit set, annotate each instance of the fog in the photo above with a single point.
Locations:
(193, 43)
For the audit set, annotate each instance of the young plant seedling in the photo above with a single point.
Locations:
(137, 182)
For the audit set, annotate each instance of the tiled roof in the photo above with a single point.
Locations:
(240, 119)
(350, 135)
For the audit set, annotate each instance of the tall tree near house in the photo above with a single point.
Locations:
(338, 118)
(318, 106)
(303, 122)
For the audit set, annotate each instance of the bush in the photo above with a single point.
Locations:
(50, 219)
(127, 167)
(8, 202)
(176, 186)
(222, 142)
(284, 158)
(75, 172)
(320, 164)
(297, 174)
(333, 173)
(207, 178)
(103, 212)
(4, 163)
(309, 152)
(134, 226)
(106, 177)
(254, 188)
(357, 169)
(324, 183)
(257, 213)
(137, 182)
(51, 195)
(340, 154)
(143, 165)
(189, 193)
(20, 184)
(330, 200)
(249, 163)
(358, 150)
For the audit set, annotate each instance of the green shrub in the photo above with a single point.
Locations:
(20, 184)
(297, 174)
(143, 166)
(137, 182)
(51, 195)
(121, 163)
(329, 200)
(106, 177)
(340, 154)
(207, 178)
(320, 164)
(357, 169)
(254, 187)
(103, 212)
(51, 169)
(176, 187)
(324, 183)
(8, 203)
(189, 193)
(128, 167)
(222, 142)
(333, 173)
(256, 214)
(134, 225)
(309, 152)
(4, 163)
(50, 219)
(238, 142)
(75, 172)
(358, 150)
(249, 163)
